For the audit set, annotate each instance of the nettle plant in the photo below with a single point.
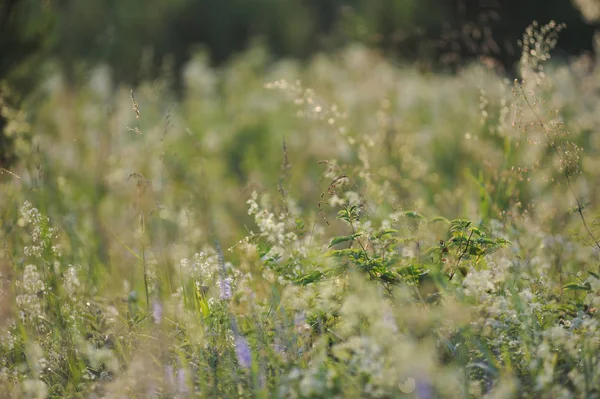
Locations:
(380, 253)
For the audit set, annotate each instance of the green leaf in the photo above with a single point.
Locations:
(439, 219)
(340, 239)
(349, 214)
(412, 272)
(477, 233)
(458, 239)
(354, 253)
(311, 277)
(263, 249)
(402, 240)
(413, 215)
(382, 233)
(460, 224)
(476, 251)
(343, 214)
(578, 287)
(201, 302)
(433, 250)
(485, 241)
(502, 242)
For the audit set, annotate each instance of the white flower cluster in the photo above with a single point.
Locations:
(97, 356)
(70, 280)
(205, 271)
(579, 343)
(202, 268)
(8, 337)
(273, 227)
(30, 288)
(368, 358)
(482, 284)
(42, 234)
(314, 382)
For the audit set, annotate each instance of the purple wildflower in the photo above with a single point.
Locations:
(242, 351)
(424, 389)
(225, 286)
(182, 387)
(300, 320)
(169, 377)
(157, 311)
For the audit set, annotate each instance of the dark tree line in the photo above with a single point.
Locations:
(441, 34)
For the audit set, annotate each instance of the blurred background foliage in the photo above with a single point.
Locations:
(141, 40)
(135, 37)
(120, 32)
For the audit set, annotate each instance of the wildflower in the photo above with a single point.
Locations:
(204, 267)
(253, 205)
(225, 287)
(182, 386)
(42, 234)
(71, 282)
(32, 286)
(242, 352)
(423, 389)
(300, 320)
(157, 311)
(169, 377)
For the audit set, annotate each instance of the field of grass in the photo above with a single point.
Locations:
(342, 228)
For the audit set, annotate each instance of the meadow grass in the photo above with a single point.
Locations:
(344, 228)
